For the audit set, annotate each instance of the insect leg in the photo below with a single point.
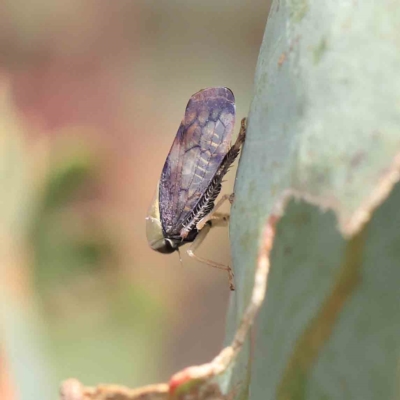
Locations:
(200, 225)
(219, 219)
(196, 243)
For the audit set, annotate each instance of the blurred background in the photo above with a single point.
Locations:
(91, 96)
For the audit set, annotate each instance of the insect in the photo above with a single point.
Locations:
(183, 209)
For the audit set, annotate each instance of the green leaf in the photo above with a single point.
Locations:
(324, 127)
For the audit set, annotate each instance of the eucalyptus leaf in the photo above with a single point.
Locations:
(324, 127)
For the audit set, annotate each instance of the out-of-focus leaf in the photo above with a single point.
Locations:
(93, 314)
(324, 126)
(65, 244)
(72, 168)
(21, 325)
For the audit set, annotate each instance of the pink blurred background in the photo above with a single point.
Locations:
(99, 89)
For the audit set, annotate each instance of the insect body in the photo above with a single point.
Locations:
(191, 179)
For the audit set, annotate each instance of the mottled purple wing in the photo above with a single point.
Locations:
(202, 141)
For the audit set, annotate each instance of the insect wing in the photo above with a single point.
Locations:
(200, 145)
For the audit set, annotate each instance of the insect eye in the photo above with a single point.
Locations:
(167, 247)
